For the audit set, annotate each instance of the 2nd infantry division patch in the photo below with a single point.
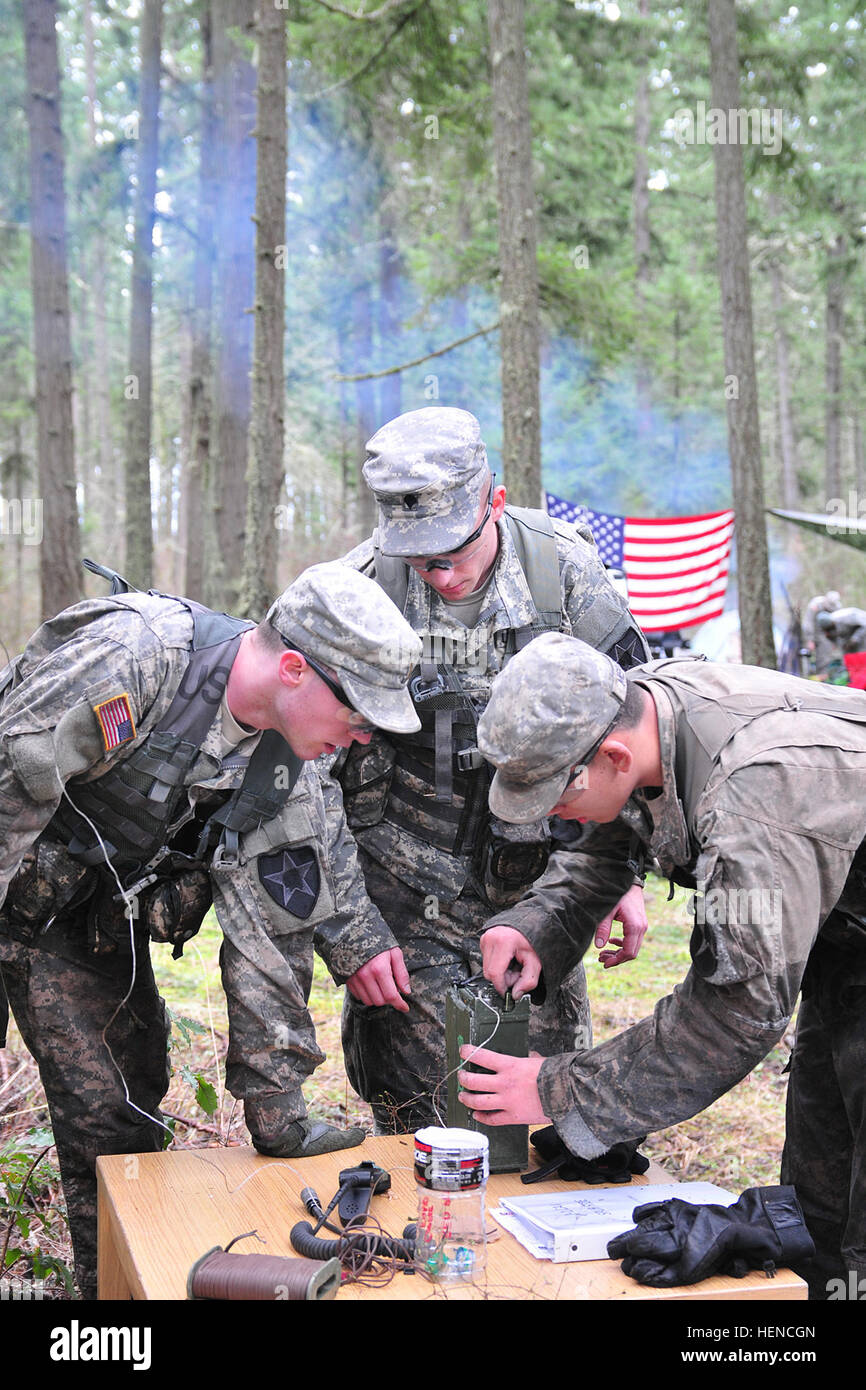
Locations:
(115, 721)
(291, 876)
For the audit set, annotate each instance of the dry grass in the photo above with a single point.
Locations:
(736, 1142)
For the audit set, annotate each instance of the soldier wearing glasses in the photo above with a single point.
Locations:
(476, 580)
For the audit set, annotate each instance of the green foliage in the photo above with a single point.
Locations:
(28, 1217)
(183, 1030)
(205, 1094)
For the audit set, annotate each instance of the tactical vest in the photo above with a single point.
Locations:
(136, 803)
(711, 713)
(444, 754)
(439, 780)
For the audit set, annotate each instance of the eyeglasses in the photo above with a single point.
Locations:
(357, 721)
(578, 778)
(450, 558)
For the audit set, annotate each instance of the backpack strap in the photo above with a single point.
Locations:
(391, 574)
(534, 541)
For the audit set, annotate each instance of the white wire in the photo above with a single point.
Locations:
(464, 1062)
(129, 902)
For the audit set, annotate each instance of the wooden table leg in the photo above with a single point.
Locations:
(111, 1280)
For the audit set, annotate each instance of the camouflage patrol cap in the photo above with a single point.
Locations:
(549, 710)
(428, 471)
(347, 622)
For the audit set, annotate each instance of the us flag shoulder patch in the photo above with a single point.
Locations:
(115, 721)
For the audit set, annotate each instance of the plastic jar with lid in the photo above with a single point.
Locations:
(451, 1168)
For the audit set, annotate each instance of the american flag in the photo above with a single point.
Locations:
(676, 566)
(115, 721)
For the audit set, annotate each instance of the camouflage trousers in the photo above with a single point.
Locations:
(396, 1061)
(102, 1057)
(825, 1143)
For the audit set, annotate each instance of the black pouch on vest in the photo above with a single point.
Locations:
(175, 908)
(48, 882)
(506, 864)
(366, 779)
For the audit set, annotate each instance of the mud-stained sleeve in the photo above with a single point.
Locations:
(357, 930)
(79, 708)
(597, 612)
(766, 890)
(558, 915)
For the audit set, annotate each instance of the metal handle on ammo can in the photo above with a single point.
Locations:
(477, 1015)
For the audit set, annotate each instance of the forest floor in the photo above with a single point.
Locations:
(736, 1143)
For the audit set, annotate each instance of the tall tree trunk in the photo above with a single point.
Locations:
(109, 502)
(787, 436)
(518, 264)
(677, 412)
(197, 519)
(266, 459)
(235, 101)
(642, 233)
(741, 387)
(350, 481)
(14, 481)
(833, 367)
(365, 394)
(139, 385)
(59, 552)
(390, 316)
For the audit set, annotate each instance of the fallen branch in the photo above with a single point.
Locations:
(355, 14)
(404, 366)
(193, 1124)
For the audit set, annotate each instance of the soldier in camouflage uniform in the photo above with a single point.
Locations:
(846, 627)
(476, 581)
(746, 785)
(135, 784)
(824, 649)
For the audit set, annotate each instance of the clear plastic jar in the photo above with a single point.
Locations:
(451, 1168)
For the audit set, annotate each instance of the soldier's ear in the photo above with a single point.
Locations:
(498, 504)
(291, 667)
(617, 755)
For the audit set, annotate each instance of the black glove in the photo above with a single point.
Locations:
(617, 1165)
(675, 1242)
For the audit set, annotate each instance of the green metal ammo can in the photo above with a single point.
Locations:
(477, 1015)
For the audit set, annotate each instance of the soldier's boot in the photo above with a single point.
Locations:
(306, 1138)
(280, 1128)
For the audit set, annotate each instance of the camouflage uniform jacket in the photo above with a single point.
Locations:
(591, 609)
(766, 826)
(51, 740)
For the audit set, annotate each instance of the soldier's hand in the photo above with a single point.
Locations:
(631, 912)
(383, 980)
(507, 1097)
(509, 962)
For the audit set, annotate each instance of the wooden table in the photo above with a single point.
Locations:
(159, 1213)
